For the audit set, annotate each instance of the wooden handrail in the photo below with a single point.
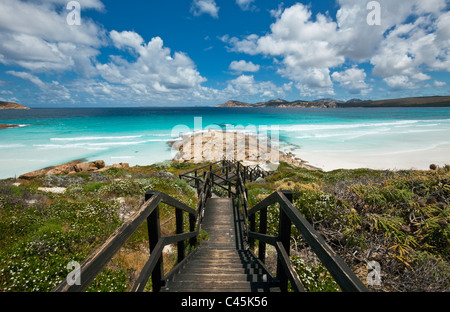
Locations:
(199, 168)
(339, 270)
(149, 211)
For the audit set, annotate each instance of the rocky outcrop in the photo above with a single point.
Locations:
(67, 168)
(232, 103)
(3, 126)
(279, 103)
(215, 145)
(10, 105)
(427, 101)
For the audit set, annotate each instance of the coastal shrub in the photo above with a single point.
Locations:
(164, 165)
(122, 188)
(62, 180)
(92, 187)
(35, 258)
(387, 216)
(429, 273)
(317, 206)
(41, 233)
(315, 278)
(109, 280)
(256, 194)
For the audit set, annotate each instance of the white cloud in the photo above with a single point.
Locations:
(410, 49)
(128, 39)
(352, 79)
(200, 7)
(413, 37)
(245, 4)
(155, 69)
(52, 92)
(27, 76)
(246, 85)
(36, 36)
(399, 82)
(439, 84)
(302, 43)
(243, 66)
(85, 4)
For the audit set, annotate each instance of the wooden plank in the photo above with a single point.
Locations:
(284, 237)
(291, 274)
(269, 200)
(154, 234)
(179, 230)
(200, 168)
(148, 268)
(152, 262)
(262, 230)
(268, 239)
(177, 204)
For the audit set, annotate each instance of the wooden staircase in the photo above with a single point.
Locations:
(223, 263)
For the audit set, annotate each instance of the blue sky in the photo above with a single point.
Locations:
(205, 52)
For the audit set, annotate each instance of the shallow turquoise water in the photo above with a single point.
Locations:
(140, 136)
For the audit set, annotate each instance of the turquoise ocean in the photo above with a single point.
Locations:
(379, 138)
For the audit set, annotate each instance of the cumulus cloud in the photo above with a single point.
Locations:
(247, 85)
(243, 66)
(36, 36)
(52, 91)
(302, 43)
(413, 37)
(126, 39)
(200, 7)
(399, 82)
(352, 79)
(439, 84)
(245, 4)
(155, 69)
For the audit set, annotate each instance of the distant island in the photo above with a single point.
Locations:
(10, 105)
(431, 101)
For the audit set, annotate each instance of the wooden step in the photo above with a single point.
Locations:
(223, 287)
(218, 264)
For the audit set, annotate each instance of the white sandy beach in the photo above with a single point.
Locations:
(419, 159)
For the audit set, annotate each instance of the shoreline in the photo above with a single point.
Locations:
(6, 126)
(404, 160)
(216, 145)
(327, 162)
(414, 159)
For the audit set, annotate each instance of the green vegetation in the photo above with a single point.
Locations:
(397, 218)
(41, 232)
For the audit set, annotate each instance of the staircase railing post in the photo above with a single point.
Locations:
(154, 235)
(180, 230)
(197, 186)
(285, 238)
(245, 175)
(192, 222)
(262, 230)
(252, 223)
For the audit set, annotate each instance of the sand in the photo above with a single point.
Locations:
(416, 160)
